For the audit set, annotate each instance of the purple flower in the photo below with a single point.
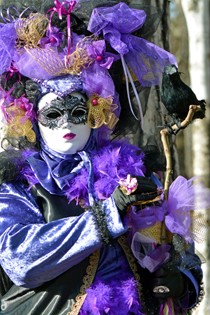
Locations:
(53, 38)
(97, 52)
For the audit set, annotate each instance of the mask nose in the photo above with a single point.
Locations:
(67, 125)
(68, 120)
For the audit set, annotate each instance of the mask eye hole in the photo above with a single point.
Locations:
(79, 111)
(53, 114)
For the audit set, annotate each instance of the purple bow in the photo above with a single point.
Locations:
(117, 23)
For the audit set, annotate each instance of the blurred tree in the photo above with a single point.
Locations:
(179, 47)
(197, 15)
(154, 111)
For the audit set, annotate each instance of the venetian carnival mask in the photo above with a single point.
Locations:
(62, 122)
(59, 57)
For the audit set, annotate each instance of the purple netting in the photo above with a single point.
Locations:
(148, 254)
(145, 59)
(97, 80)
(28, 66)
(126, 20)
(144, 218)
(184, 201)
(43, 63)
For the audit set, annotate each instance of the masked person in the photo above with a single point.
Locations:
(68, 191)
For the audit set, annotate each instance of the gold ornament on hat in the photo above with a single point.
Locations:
(30, 30)
(52, 63)
(19, 125)
(100, 112)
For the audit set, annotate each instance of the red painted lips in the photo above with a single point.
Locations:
(69, 136)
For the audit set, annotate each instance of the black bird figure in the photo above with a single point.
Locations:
(177, 97)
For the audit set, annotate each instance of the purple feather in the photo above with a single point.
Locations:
(114, 297)
(110, 164)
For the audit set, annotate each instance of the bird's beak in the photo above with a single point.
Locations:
(171, 69)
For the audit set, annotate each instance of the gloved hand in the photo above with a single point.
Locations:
(146, 190)
(167, 282)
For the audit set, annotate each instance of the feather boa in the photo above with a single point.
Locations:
(111, 163)
(115, 297)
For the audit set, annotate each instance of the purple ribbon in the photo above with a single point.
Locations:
(64, 8)
(12, 71)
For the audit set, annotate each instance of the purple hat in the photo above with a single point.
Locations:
(37, 48)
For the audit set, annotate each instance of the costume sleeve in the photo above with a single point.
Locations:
(33, 251)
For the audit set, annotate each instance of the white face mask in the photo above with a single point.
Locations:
(63, 128)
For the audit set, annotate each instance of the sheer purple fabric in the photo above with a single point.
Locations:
(124, 19)
(145, 59)
(148, 254)
(186, 198)
(176, 211)
(7, 46)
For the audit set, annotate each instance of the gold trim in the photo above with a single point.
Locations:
(87, 281)
(122, 240)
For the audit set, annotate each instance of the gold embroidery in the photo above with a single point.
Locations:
(122, 240)
(87, 281)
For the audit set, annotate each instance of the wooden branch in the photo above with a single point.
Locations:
(165, 141)
(192, 110)
(169, 170)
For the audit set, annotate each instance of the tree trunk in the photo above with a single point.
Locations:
(155, 112)
(198, 20)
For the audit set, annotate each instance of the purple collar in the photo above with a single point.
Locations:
(54, 170)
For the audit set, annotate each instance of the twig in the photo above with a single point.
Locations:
(165, 141)
(169, 170)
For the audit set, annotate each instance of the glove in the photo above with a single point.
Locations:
(167, 282)
(146, 190)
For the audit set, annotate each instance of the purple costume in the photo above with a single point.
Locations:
(38, 245)
(65, 246)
